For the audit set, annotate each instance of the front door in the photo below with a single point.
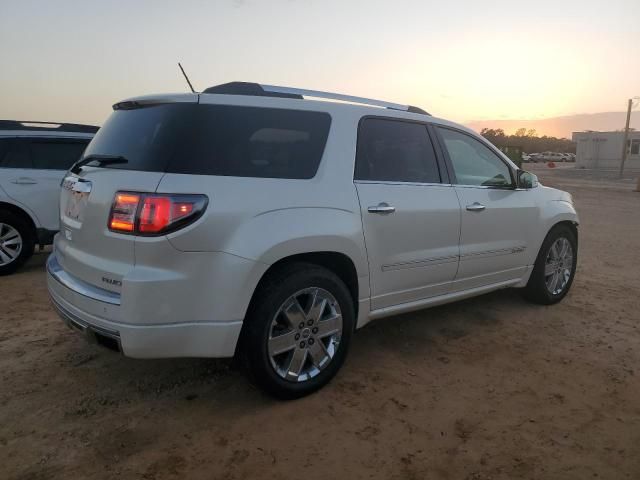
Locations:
(411, 219)
(498, 220)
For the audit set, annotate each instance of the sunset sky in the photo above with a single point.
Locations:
(464, 60)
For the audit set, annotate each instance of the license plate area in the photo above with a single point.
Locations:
(77, 193)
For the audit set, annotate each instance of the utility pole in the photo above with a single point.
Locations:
(626, 137)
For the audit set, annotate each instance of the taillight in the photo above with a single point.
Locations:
(123, 212)
(154, 214)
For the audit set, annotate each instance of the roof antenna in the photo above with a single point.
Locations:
(186, 78)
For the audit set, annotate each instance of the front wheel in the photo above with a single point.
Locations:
(555, 267)
(298, 330)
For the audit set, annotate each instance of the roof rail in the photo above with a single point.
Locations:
(256, 89)
(39, 126)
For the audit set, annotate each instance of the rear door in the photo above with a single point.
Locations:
(498, 220)
(410, 214)
(32, 169)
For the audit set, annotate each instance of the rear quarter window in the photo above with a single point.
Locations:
(55, 154)
(41, 153)
(253, 142)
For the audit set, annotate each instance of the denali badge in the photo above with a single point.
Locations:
(112, 281)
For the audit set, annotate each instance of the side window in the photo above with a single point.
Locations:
(5, 143)
(55, 154)
(395, 151)
(253, 142)
(473, 162)
(16, 154)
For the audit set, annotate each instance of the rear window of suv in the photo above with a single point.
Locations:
(215, 140)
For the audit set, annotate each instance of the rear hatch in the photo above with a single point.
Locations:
(185, 150)
(145, 134)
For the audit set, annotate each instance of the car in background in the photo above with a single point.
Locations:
(535, 158)
(34, 157)
(552, 157)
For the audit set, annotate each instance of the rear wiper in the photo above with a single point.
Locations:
(100, 159)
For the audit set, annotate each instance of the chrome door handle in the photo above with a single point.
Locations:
(382, 207)
(24, 181)
(475, 207)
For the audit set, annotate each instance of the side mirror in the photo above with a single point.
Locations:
(526, 180)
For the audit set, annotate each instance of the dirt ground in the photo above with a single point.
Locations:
(490, 388)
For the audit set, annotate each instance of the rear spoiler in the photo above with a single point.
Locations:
(149, 100)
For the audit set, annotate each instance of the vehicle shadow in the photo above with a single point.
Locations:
(416, 339)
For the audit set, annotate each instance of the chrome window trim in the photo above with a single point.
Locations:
(395, 182)
(459, 185)
(79, 286)
(484, 187)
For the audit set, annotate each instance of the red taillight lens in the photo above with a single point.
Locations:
(123, 212)
(154, 214)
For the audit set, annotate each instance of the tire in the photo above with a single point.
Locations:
(304, 336)
(551, 278)
(14, 228)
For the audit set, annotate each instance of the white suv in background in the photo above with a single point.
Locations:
(250, 220)
(34, 157)
(553, 157)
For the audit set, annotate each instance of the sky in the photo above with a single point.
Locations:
(464, 60)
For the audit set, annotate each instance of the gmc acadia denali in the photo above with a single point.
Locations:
(251, 220)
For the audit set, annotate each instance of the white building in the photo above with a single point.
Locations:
(604, 150)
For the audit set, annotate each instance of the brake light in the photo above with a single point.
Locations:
(154, 214)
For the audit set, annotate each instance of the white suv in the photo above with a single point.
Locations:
(552, 157)
(250, 220)
(34, 157)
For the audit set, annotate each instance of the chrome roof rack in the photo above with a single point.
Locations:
(334, 96)
(246, 88)
(342, 98)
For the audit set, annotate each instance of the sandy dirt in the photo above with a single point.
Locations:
(490, 388)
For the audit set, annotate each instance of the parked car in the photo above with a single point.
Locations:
(535, 157)
(249, 220)
(34, 157)
(553, 157)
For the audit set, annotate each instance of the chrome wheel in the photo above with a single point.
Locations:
(305, 334)
(10, 244)
(558, 266)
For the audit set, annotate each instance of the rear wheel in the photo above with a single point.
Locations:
(555, 267)
(298, 331)
(16, 242)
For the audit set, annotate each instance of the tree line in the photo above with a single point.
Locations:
(529, 140)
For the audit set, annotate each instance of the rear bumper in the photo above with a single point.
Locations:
(81, 310)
